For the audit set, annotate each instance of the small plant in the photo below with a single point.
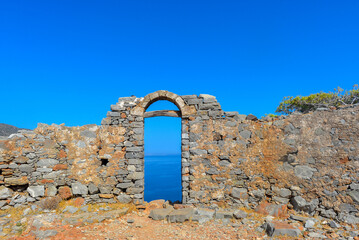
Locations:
(50, 203)
(319, 100)
(271, 115)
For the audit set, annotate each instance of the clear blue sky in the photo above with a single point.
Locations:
(68, 61)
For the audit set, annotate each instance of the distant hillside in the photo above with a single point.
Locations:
(7, 130)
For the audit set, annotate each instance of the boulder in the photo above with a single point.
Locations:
(160, 214)
(180, 215)
(274, 229)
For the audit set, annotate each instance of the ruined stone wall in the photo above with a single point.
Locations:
(308, 162)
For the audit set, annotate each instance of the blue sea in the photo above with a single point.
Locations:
(163, 178)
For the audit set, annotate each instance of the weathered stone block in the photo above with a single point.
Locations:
(5, 192)
(36, 191)
(79, 189)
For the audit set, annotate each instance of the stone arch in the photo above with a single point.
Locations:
(142, 106)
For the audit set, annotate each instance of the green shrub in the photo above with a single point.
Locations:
(319, 100)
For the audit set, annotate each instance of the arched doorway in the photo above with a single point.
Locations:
(185, 112)
(162, 160)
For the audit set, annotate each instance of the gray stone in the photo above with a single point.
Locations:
(160, 213)
(205, 212)
(81, 144)
(240, 214)
(180, 215)
(316, 235)
(239, 193)
(251, 117)
(93, 189)
(47, 162)
(223, 213)
(124, 198)
(354, 186)
(258, 193)
(274, 230)
(124, 185)
(304, 172)
(347, 208)
(299, 203)
(79, 189)
(36, 191)
(5, 192)
(88, 134)
(45, 234)
(105, 189)
(309, 223)
(51, 191)
(198, 151)
(333, 224)
(70, 209)
(354, 195)
(3, 203)
(135, 176)
(26, 168)
(246, 134)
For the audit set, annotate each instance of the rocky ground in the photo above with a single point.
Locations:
(74, 219)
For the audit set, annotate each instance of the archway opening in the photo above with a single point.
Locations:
(162, 154)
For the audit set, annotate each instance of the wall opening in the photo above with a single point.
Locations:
(162, 167)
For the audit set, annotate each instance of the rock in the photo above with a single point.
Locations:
(333, 224)
(180, 215)
(135, 176)
(130, 221)
(123, 198)
(51, 191)
(246, 134)
(251, 117)
(3, 203)
(259, 193)
(239, 193)
(298, 218)
(47, 162)
(354, 195)
(354, 186)
(16, 181)
(274, 210)
(316, 235)
(274, 229)
(309, 223)
(88, 134)
(79, 189)
(223, 213)
(26, 168)
(65, 192)
(240, 214)
(160, 214)
(300, 204)
(203, 213)
(70, 209)
(93, 189)
(5, 192)
(153, 205)
(44, 234)
(36, 191)
(304, 172)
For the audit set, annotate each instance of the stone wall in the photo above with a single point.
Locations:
(308, 162)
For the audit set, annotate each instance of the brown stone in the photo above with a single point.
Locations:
(16, 181)
(271, 209)
(153, 205)
(21, 159)
(79, 201)
(61, 154)
(65, 192)
(44, 181)
(60, 167)
(107, 195)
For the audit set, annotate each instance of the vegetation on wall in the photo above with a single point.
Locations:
(319, 100)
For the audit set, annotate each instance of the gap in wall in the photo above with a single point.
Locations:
(163, 155)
